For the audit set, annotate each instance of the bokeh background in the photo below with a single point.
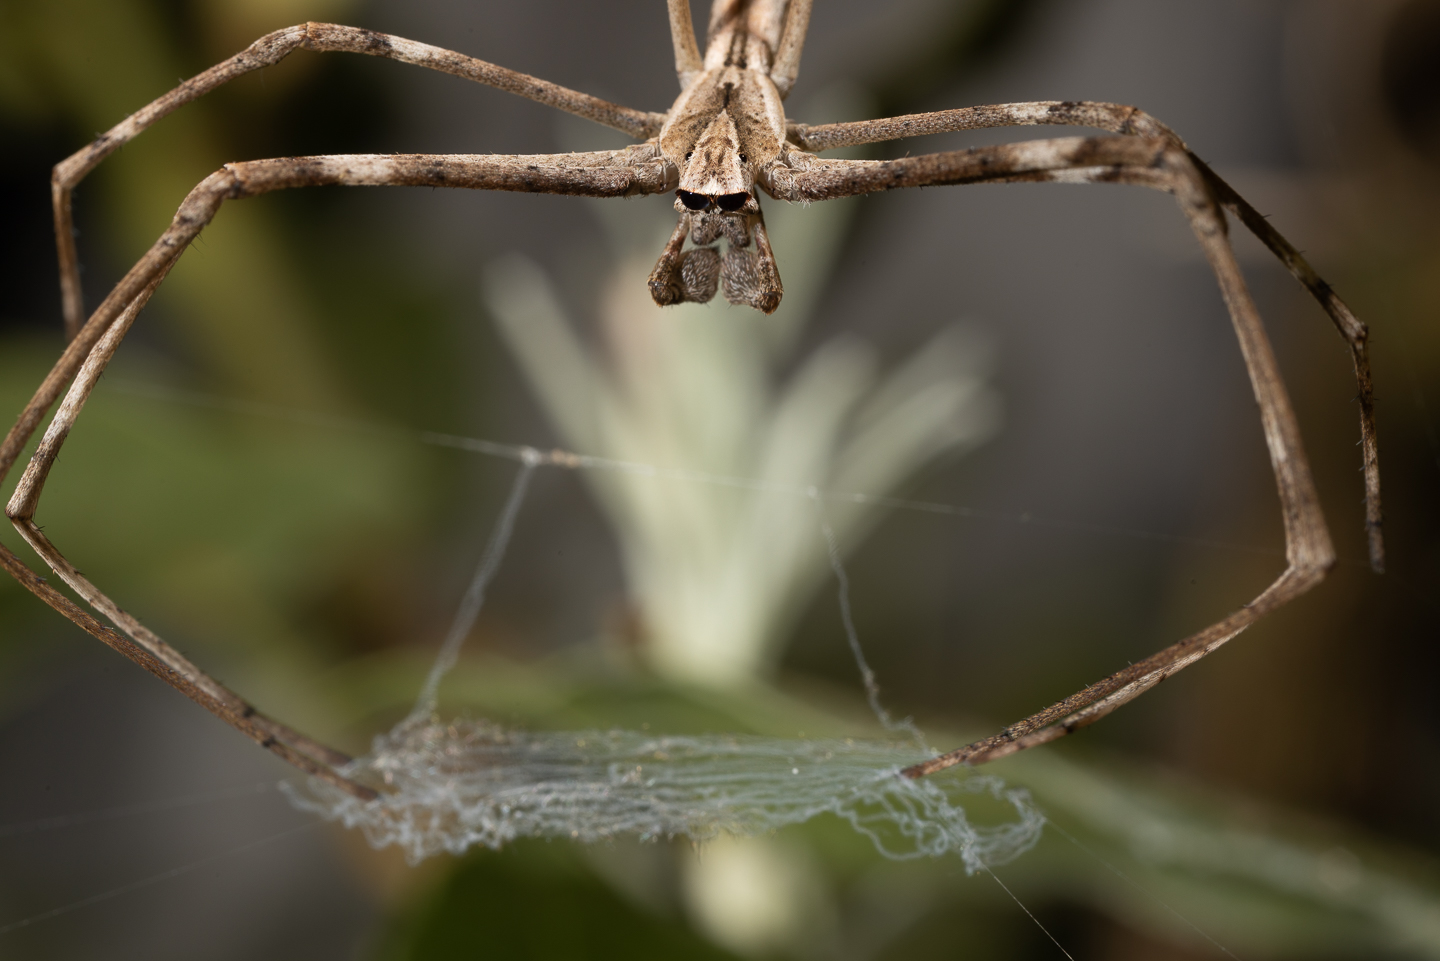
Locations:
(1121, 500)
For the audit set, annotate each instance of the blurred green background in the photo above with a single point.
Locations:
(249, 479)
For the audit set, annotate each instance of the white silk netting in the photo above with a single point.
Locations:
(451, 786)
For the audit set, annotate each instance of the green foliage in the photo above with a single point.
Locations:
(535, 901)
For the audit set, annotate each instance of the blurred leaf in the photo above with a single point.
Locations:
(218, 530)
(535, 901)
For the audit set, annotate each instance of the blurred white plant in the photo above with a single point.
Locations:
(718, 573)
(761, 897)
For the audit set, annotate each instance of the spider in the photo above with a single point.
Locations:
(725, 140)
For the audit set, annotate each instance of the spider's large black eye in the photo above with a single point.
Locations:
(731, 202)
(693, 201)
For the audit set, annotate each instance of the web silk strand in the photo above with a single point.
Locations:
(152, 880)
(847, 619)
(1147, 892)
(1031, 914)
(474, 599)
(569, 460)
(132, 810)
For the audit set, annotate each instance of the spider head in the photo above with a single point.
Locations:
(726, 128)
(716, 173)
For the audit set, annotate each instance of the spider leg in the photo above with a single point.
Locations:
(1121, 119)
(1356, 336)
(688, 61)
(611, 173)
(155, 655)
(271, 49)
(1110, 117)
(786, 68)
(1160, 163)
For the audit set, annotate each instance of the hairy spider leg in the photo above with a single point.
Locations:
(270, 50)
(1121, 119)
(793, 26)
(611, 173)
(1159, 163)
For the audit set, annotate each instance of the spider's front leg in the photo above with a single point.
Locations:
(1131, 121)
(1163, 164)
(612, 173)
(270, 50)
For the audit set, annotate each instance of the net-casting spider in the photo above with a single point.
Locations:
(724, 141)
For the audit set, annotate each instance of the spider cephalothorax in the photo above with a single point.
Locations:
(727, 126)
